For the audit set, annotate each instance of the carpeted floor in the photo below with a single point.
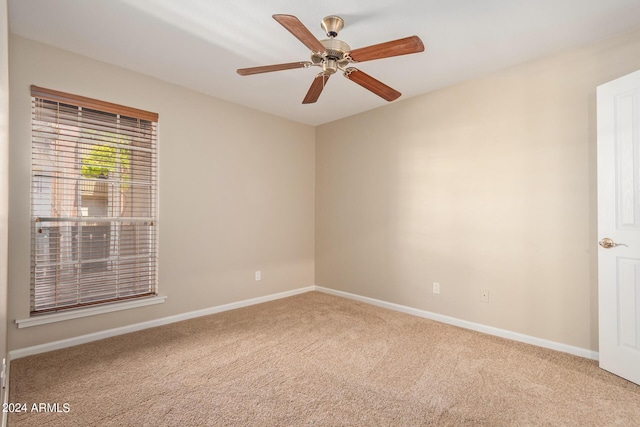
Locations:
(318, 360)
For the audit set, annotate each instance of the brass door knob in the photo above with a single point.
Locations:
(607, 243)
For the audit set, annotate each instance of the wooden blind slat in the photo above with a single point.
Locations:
(94, 104)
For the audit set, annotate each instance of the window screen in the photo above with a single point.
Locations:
(93, 202)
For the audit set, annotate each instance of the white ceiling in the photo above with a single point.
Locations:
(200, 43)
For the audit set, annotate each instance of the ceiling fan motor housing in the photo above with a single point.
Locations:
(334, 57)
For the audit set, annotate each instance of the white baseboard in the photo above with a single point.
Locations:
(577, 351)
(82, 339)
(56, 345)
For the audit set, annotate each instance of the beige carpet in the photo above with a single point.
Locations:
(315, 359)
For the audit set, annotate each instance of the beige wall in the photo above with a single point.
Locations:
(4, 176)
(236, 192)
(488, 184)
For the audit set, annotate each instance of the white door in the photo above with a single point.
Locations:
(618, 106)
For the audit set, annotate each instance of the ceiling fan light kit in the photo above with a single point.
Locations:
(332, 55)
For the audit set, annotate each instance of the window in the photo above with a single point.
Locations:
(93, 202)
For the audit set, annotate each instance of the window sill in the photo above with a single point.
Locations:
(91, 311)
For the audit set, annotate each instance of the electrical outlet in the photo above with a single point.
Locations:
(258, 275)
(484, 295)
(436, 287)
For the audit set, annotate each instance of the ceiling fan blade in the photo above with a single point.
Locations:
(398, 47)
(316, 88)
(368, 82)
(302, 33)
(270, 68)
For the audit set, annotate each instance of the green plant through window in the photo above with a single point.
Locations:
(102, 159)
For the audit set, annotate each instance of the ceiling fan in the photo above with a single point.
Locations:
(332, 55)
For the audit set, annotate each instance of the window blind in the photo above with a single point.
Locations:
(93, 202)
